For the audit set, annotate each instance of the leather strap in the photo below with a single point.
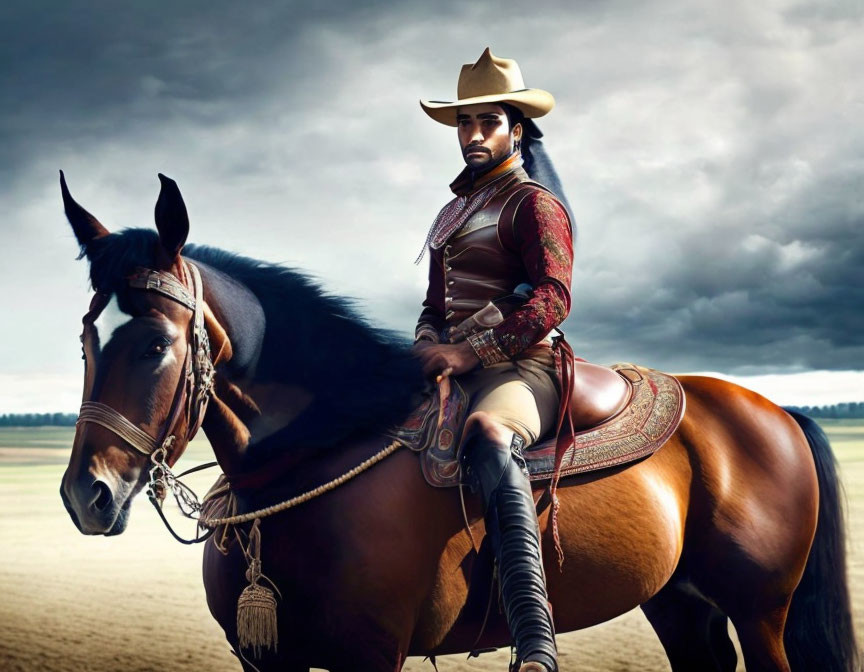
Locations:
(203, 370)
(163, 283)
(564, 364)
(196, 379)
(101, 414)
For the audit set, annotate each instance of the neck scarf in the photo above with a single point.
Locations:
(472, 194)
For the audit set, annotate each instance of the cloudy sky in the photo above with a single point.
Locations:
(711, 152)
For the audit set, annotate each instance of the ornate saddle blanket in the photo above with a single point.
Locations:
(434, 429)
(652, 414)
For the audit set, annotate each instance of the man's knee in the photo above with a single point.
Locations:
(487, 452)
(485, 448)
(485, 426)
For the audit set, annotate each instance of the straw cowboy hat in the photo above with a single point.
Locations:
(491, 80)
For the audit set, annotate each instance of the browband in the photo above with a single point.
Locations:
(163, 283)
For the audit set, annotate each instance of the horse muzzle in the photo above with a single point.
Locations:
(95, 505)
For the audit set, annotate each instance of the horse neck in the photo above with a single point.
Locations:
(274, 403)
(241, 409)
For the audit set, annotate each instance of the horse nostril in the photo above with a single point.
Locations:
(104, 496)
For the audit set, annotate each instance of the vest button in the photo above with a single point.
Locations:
(450, 283)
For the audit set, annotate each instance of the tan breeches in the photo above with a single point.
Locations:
(522, 394)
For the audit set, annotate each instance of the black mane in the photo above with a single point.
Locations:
(363, 378)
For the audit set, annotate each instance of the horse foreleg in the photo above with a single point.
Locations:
(223, 580)
(368, 647)
(693, 632)
(369, 658)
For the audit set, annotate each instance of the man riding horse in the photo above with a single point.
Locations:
(736, 518)
(501, 256)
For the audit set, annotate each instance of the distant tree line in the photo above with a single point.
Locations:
(848, 409)
(38, 419)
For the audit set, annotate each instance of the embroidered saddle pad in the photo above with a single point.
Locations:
(437, 441)
(650, 417)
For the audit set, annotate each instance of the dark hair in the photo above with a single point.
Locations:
(537, 164)
(516, 116)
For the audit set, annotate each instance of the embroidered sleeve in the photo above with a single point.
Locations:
(545, 241)
(486, 347)
(432, 322)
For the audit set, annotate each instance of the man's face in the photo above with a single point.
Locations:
(485, 135)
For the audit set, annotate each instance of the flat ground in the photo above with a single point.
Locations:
(136, 602)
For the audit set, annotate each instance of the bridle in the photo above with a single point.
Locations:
(192, 394)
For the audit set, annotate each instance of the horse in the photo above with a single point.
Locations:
(737, 517)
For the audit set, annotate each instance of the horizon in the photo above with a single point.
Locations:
(74, 414)
(781, 389)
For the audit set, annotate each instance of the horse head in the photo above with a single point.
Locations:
(139, 354)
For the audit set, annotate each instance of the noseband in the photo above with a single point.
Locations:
(196, 380)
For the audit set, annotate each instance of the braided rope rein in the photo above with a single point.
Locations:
(306, 496)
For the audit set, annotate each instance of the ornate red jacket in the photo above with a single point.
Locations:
(542, 239)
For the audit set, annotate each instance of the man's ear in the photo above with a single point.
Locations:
(517, 133)
(172, 220)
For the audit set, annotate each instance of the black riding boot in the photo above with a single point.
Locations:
(511, 523)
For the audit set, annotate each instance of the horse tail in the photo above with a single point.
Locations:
(819, 631)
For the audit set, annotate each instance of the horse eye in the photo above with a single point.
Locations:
(158, 347)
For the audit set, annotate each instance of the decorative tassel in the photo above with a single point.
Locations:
(256, 608)
(256, 619)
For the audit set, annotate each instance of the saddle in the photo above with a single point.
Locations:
(621, 414)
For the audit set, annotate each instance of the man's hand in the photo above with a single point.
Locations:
(421, 345)
(459, 358)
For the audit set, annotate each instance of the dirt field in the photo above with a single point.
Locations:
(136, 603)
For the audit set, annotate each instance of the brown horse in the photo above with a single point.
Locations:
(736, 517)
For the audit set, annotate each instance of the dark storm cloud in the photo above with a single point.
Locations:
(80, 71)
(768, 287)
(710, 151)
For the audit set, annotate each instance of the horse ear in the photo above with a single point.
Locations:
(85, 225)
(172, 221)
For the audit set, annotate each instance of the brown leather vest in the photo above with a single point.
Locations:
(478, 266)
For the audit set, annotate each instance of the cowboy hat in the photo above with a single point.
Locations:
(491, 80)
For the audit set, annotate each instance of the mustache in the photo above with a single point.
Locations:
(475, 148)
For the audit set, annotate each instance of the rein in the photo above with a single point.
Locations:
(388, 450)
(192, 394)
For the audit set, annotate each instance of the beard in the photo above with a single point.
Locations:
(486, 166)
